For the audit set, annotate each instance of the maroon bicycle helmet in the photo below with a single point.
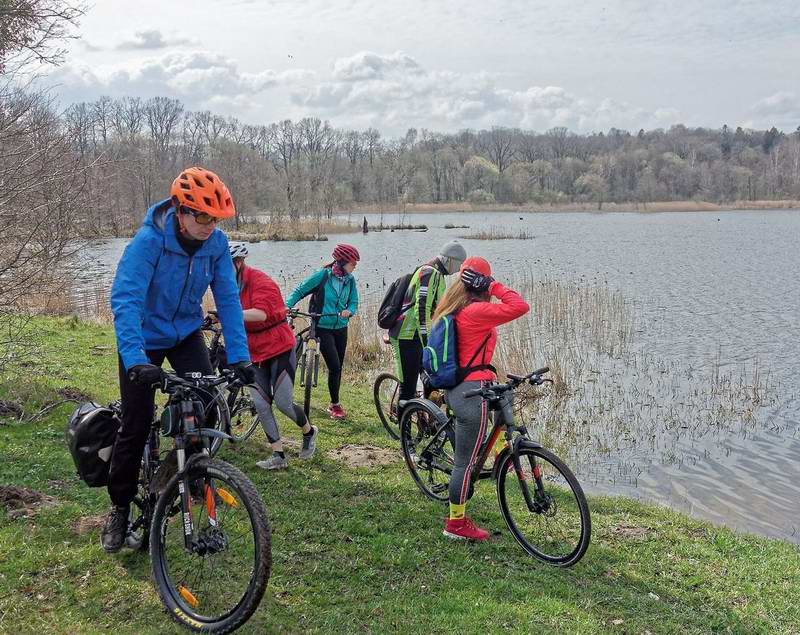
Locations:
(346, 252)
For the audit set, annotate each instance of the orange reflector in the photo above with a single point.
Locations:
(227, 497)
(187, 595)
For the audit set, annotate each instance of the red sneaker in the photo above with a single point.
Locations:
(464, 529)
(336, 411)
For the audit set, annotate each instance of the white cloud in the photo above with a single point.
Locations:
(151, 39)
(782, 109)
(198, 78)
(391, 92)
(396, 91)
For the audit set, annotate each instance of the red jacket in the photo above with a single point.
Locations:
(479, 319)
(265, 341)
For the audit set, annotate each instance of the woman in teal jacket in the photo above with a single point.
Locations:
(334, 294)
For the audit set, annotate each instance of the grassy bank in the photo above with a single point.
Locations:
(358, 549)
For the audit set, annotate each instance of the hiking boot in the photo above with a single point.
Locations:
(309, 444)
(113, 536)
(336, 411)
(274, 462)
(464, 529)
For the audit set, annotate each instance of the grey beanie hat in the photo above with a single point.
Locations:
(451, 255)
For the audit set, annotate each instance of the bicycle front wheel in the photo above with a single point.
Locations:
(309, 382)
(553, 524)
(428, 449)
(386, 392)
(217, 584)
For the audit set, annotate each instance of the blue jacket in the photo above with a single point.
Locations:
(158, 290)
(333, 298)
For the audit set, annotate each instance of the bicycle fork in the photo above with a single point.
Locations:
(536, 503)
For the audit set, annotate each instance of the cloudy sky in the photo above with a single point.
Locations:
(450, 64)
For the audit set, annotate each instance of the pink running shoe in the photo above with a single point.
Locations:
(336, 411)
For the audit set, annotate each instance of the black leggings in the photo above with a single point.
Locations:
(332, 345)
(409, 365)
(190, 355)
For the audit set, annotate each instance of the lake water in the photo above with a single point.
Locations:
(707, 288)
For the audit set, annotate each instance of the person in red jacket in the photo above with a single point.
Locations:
(470, 298)
(272, 351)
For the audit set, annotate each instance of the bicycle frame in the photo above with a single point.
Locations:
(512, 447)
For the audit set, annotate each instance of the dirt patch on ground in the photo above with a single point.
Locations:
(22, 501)
(73, 394)
(292, 444)
(631, 532)
(88, 524)
(10, 409)
(354, 455)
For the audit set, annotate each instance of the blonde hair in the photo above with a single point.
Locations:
(454, 299)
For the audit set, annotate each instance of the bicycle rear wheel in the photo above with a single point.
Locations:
(244, 418)
(386, 393)
(556, 527)
(428, 448)
(217, 585)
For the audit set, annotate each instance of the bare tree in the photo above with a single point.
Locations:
(40, 176)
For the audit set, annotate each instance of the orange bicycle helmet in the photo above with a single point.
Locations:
(477, 264)
(203, 191)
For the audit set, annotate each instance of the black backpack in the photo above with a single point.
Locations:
(393, 302)
(91, 432)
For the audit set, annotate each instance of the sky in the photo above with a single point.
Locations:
(446, 65)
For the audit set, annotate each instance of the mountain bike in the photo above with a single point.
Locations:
(204, 523)
(540, 499)
(308, 353)
(242, 418)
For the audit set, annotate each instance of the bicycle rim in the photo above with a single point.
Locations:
(429, 459)
(386, 392)
(558, 529)
(217, 587)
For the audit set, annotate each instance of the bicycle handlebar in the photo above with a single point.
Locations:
(295, 312)
(495, 390)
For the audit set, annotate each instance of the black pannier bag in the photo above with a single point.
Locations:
(91, 433)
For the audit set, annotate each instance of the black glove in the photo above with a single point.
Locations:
(145, 374)
(475, 281)
(244, 372)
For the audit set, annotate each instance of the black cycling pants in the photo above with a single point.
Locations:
(409, 366)
(333, 345)
(138, 403)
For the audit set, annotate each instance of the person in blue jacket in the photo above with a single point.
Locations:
(334, 294)
(156, 299)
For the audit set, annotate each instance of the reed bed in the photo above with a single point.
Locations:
(499, 233)
(614, 406)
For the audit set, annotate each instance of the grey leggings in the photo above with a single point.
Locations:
(275, 377)
(472, 426)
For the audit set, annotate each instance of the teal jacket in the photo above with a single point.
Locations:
(328, 297)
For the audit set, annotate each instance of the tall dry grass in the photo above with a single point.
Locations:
(499, 233)
(284, 229)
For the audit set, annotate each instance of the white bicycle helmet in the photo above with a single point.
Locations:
(238, 250)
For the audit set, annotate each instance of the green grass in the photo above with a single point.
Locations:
(360, 550)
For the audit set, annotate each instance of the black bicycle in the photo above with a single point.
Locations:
(204, 522)
(540, 499)
(308, 353)
(237, 415)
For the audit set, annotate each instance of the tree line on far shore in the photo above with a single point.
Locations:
(132, 149)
